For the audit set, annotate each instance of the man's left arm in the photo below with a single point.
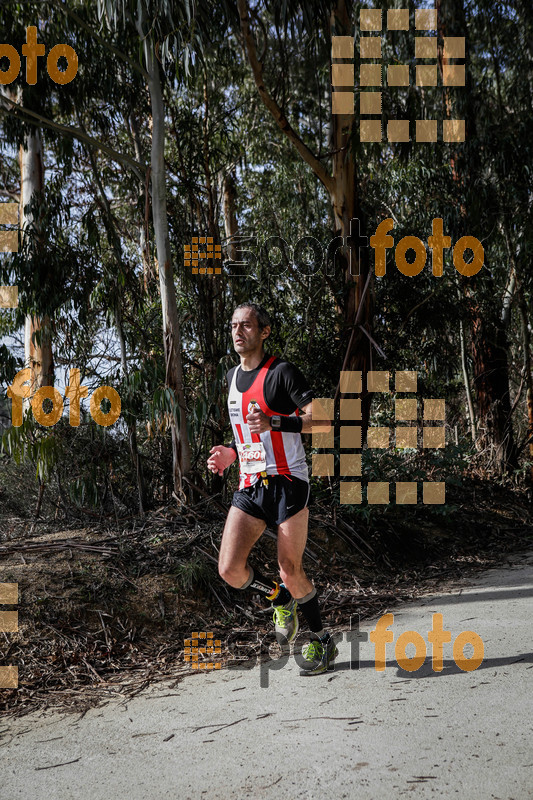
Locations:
(314, 416)
(318, 425)
(259, 422)
(296, 389)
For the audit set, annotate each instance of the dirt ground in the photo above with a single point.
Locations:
(104, 609)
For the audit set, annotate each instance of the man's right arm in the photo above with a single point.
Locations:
(229, 378)
(222, 456)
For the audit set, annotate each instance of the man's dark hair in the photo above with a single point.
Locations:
(261, 315)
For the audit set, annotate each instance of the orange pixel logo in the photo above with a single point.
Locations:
(398, 75)
(202, 644)
(378, 437)
(9, 623)
(9, 243)
(192, 255)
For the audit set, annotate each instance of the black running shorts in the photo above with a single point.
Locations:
(284, 496)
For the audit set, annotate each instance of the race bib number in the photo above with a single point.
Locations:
(252, 457)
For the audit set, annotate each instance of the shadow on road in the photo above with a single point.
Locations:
(475, 597)
(449, 667)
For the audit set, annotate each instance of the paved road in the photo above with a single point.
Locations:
(350, 734)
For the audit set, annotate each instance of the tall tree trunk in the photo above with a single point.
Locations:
(516, 260)
(181, 451)
(489, 339)
(231, 227)
(37, 330)
(491, 379)
(208, 288)
(114, 242)
(466, 380)
(132, 427)
(341, 185)
(358, 305)
(143, 231)
(518, 269)
(526, 344)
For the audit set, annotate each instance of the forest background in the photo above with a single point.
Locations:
(214, 119)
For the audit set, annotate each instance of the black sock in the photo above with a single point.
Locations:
(283, 597)
(267, 587)
(311, 611)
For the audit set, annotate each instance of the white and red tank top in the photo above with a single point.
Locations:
(274, 452)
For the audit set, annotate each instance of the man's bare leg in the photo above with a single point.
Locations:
(292, 536)
(241, 532)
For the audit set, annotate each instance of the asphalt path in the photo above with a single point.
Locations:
(266, 732)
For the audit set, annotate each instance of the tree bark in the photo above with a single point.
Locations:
(518, 268)
(341, 185)
(181, 451)
(38, 354)
(346, 207)
(143, 229)
(526, 344)
(488, 333)
(515, 283)
(210, 288)
(231, 227)
(114, 242)
(466, 380)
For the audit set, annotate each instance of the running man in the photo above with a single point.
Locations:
(270, 407)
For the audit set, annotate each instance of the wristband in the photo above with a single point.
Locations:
(289, 424)
(233, 446)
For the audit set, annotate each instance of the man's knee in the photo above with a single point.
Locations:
(236, 576)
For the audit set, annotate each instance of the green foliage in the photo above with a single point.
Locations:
(34, 444)
(81, 263)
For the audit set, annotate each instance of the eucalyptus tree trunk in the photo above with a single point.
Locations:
(143, 239)
(210, 296)
(341, 184)
(489, 341)
(132, 427)
(114, 242)
(526, 344)
(231, 227)
(519, 267)
(181, 452)
(37, 330)
(358, 299)
(466, 380)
